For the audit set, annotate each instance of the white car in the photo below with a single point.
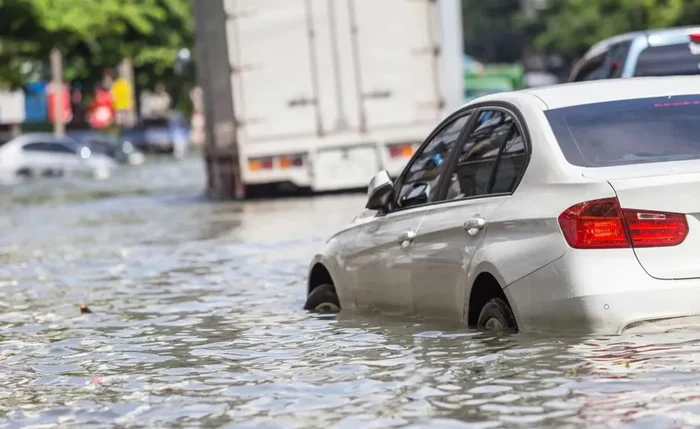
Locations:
(571, 207)
(44, 155)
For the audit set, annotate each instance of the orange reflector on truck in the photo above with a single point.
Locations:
(287, 161)
(291, 161)
(401, 151)
(256, 164)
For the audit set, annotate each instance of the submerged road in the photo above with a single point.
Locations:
(196, 322)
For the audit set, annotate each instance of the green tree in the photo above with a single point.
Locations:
(571, 26)
(93, 34)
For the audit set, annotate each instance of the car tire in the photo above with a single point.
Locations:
(496, 315)
(323, 299)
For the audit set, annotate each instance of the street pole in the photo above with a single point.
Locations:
(59, 128)
(224, 178)
(126, 71)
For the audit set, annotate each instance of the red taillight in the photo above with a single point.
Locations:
(602, 224)
(695, 37)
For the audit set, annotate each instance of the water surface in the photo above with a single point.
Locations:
(197, 322)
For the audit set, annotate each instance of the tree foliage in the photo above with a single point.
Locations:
(93, 35)
(572, 26)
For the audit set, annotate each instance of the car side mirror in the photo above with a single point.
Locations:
(379, 191)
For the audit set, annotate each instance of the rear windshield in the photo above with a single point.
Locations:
(629, 131)
(667, 60)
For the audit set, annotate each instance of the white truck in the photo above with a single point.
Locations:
(328, 92)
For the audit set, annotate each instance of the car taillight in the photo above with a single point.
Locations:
(603, 224)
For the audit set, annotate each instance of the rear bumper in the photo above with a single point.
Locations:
(602, 292)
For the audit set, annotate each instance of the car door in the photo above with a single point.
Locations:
(481, 176)
(64, 157)
(383, 258)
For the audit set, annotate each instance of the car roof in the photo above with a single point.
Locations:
(598, 91)
(43, 137)
(654, 37)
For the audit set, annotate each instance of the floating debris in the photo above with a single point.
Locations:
(84, 309)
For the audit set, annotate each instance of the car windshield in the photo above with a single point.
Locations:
(629, 131)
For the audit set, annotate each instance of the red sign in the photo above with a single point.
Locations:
(101, 109)
(63, 100)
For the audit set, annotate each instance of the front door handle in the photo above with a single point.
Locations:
(407, 238)
(473, 226)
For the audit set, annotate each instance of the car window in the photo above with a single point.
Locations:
(510, 164)
(60, 148)
(34, 147)
(478, 156)
(420, 181)
(616, 59)
(591, 69)
(667, 61)
(628, 131)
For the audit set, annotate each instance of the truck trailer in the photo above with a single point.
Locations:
(325, 93)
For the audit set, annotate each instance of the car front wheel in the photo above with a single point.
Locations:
(496, 315)
(323, 299)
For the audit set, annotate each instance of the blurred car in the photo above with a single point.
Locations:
(566, 207)
(122, 151)
(666, 52)
(45, 155)
(160, 135)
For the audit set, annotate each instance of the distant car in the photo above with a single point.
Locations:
(566, 207)
(666, 52)
(160, 135)
(44, 155)
(122, 151)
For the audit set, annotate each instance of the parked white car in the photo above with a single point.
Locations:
(568, 207)
(44, 155)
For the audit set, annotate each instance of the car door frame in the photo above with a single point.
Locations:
(383, 220)
(466, 110)
(440, 202)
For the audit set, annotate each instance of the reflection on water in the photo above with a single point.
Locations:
(197, 321)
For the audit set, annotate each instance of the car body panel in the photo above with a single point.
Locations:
(442, 253)
(381, 265)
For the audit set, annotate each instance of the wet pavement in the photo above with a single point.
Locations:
(196, 322)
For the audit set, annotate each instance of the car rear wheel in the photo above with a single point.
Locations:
(496, 315)
(323, 299)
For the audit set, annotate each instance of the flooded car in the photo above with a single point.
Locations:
(558, 208)
(45, 155)
(121, 150)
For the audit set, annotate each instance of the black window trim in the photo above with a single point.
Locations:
(450, 165)
(519, 123)
(464, 111)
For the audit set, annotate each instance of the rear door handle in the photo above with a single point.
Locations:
(473, 226)
(406, 238)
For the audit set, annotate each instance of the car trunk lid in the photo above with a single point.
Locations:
(671, 193)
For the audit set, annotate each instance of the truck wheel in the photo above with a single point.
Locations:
(323, 299)
(496, 315)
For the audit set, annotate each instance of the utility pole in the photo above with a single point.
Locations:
(128, 113)
(214, 71)
(59, 127)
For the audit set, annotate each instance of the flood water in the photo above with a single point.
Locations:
(197, 322)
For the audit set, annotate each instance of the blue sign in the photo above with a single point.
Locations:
(35, 102)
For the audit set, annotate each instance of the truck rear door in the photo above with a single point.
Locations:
(394, 54)
(274, 74)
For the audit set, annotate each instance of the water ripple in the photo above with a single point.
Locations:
(197, 323)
